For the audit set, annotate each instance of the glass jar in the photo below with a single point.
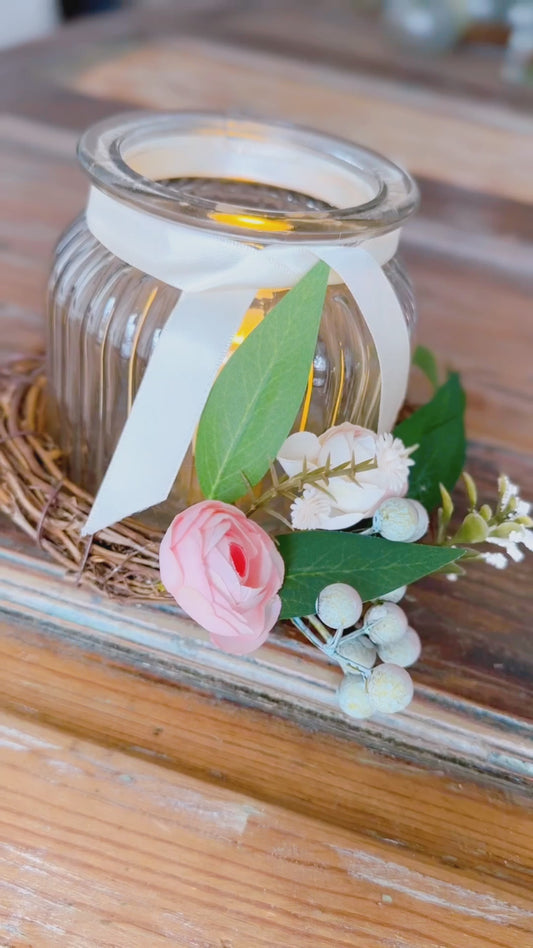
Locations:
(260, 183)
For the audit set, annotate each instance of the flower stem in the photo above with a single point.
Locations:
(289, 486)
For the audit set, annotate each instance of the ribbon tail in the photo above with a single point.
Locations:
(168, 404)
(381, 310)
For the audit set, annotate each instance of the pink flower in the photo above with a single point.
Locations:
(345, 502)
(225, 572)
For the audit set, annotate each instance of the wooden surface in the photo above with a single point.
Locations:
(145, 856)
(152, 791)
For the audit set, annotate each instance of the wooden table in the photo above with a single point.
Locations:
(153, 793)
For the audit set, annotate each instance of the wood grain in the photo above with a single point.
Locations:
(484, 735)
(476, 147)
(483, 831)
(99, 849)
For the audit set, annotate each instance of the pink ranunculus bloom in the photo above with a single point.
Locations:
(225, 572)
(346, 502)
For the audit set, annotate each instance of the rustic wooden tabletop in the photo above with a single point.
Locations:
(150, 796)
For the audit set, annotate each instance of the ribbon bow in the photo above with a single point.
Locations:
(219, 278)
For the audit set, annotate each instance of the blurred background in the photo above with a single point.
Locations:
(500, 28)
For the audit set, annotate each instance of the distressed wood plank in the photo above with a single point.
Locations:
(289, 677)
(101, 849)
(476, 147)
(115, 699)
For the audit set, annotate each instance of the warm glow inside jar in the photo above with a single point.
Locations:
(258, 183)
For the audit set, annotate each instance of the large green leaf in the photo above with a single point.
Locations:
(316, 558)
(439, 430)
(255, 399)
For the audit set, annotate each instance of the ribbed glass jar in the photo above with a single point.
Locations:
(105, 317)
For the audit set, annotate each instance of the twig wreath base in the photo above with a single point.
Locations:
(36, 495)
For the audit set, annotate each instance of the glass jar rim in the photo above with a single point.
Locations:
(128, 154)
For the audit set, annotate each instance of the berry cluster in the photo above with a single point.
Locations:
(383, 632)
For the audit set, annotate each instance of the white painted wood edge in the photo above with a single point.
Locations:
(285, 676)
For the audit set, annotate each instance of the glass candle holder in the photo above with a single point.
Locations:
(258, 183)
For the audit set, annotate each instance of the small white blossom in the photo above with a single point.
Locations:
(514, 551)
(522, 509)
(498, 560)
(507, 490)
(509, 545)
(309, 510)
(523, 535)
(393, 459)
(452, 577)
(348, 500)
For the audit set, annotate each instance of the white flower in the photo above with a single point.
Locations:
(498, 560)
(393, 462)
(507, 489)
(518, 535)
(309, 510)
(508, 492)
(510, 546)
(348, 501)
(523, 535)
(522, 509)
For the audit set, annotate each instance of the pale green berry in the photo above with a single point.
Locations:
(390, 688)
(385, 622)
(401, 520)
(353, 697)
(395, 595)
(339, 606)
(404, 652)
(358, 649)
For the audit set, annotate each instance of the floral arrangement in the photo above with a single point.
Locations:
(361, 515)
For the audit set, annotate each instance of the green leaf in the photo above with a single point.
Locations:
(503, 530)
(255, 399)
(471, 489)
(473, 529)
(445, 513)
(439, 430)
(426, 361)
(316, 558)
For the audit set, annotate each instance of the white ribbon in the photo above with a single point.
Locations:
(219, 278)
